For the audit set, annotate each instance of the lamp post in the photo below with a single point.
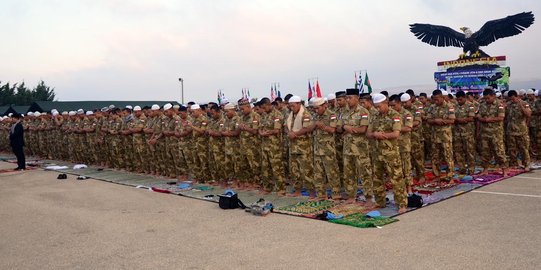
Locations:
(181, 89)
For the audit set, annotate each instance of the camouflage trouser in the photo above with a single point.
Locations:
(357, 167)
(427, 141)
(301, 170)
(171, 155)
(405, 156)
(232, 165)
(250, 158)
(442, 152)
(492, 143)
(90, 156)
(200, 154)
(532, 135)
(339, 146)
(184, 164)
(115, 152)
(272, 169)
(216, 162)
(326, 174)
(464, 150)
(161, 157)
(388, 164)
(518, 145)
(417, 154)
(138, 152)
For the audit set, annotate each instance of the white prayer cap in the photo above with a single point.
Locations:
(229, 106)
(521, 92)
(10, 114)
(317, 101)
(36, 114)
(331, 96)
(129, 107)
(224, 101)
(64, 113)
(498, 94)
(167, 106)
(155, 107)
(294, 99)
(506, 94)
(30, 113)
(54, 110)
(176, 106)
(55, 113)
(72, 113)
(378, 98)
(89, 112)
(80, 111)
(445, 93)
(529, 92)
(137, 108)
(405, 97)
(195, 107)
(111, 107)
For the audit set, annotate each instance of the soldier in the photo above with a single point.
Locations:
(341, 110)
(464, 134)
(301, 166)
(152, 121)
(89, 129)
(532, 121)
(183, 133)
(216, 145)
(250, 155)
(441, 118)
(491, 114)
(385, 128)
(115, 140)
(417, 147)
(136, 127)
(170, 141)
(199, 143)
(426, 129)
(404, 141)
(325, 163)
(356, 157)
(517, 114)
(231, 134)
(270, 131)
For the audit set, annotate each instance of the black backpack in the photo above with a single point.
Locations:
(230, 202)
(415, 201)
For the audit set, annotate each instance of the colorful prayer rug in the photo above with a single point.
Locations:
(361, 221)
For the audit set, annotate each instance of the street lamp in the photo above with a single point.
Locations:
(181, 89)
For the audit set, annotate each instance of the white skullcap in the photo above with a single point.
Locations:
(10, 114)
(176, 106)
(522, 92)
(405, 97)
(195, 107)
(378, 98)
(55, 113)
(498, 94)
(294, 99)
(72, 113)
(317, 101)
(36, 114)
(89, 112)
(54, 110)
(30, 113)
(80, 111)
(64, 113)
(506, 94)
(445, 93)
(224, 101)
(155, 107)
(137, 108)
(229, 106)
(167, 106)
(529, 92)
(129, 107)
(111, 107)
(331, 96)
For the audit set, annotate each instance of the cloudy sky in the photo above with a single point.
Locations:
(137, 49)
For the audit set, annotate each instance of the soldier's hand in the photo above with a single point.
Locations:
(291, 135)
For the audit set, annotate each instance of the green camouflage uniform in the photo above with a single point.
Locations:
(325, 163)
(200, 148)
(387, 161)
(250, 155)
(272, 169)
(301, 163)
(232, 149)
(406, 118)
(492, 134)
(417, 140)
(216, 147)
(442, 138)
(518, 140)
(464, 137)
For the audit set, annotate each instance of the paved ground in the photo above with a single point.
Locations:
(51, 224)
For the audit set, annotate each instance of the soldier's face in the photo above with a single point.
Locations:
(515, 99)
(489, 98)
(461, 100)
(382, 107)
(197, 112)
(352, 100)
(320, 110)
(245, 109)
(341, 102)
(438, 99)
(295, 106)
(395, 105)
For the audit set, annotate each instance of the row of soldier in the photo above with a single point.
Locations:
(331, 147)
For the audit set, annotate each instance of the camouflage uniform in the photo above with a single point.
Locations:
(115, 140)
(301, 166)
(232, 149)
(404, 141)
(250, 155)
(171, 145)
(272, 169)
(518, 139)
(200, 148)
(532, 123)
(325, 163)
(492, 134)
(160, 146)
(417, 140)
(339, 144)
(356, 157)
(216, 147)
(463, 137)
(138, 141)
(427, 132)
(387, 161)
(442, 138)
(185, 161)
(536, 113)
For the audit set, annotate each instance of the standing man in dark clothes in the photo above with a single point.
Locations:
(16, 139)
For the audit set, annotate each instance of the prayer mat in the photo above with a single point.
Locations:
(361, 221)
(307, 209)
(431, 187)
(348, 209)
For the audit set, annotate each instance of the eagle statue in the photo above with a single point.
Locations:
(443, 36)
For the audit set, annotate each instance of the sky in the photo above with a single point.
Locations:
(138, 49)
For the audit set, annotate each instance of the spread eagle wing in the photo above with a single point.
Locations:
(437, 35)
(506, 27)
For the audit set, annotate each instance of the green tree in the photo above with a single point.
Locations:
(20, 94)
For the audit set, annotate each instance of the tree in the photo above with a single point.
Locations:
(19, 94)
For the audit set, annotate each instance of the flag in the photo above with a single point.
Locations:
(318, 90)
(360, 82)
(273, 92)
(309, 90)
(278, 91)
(367, 83)
(356, 81)
(248, 96)
(219, 97)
